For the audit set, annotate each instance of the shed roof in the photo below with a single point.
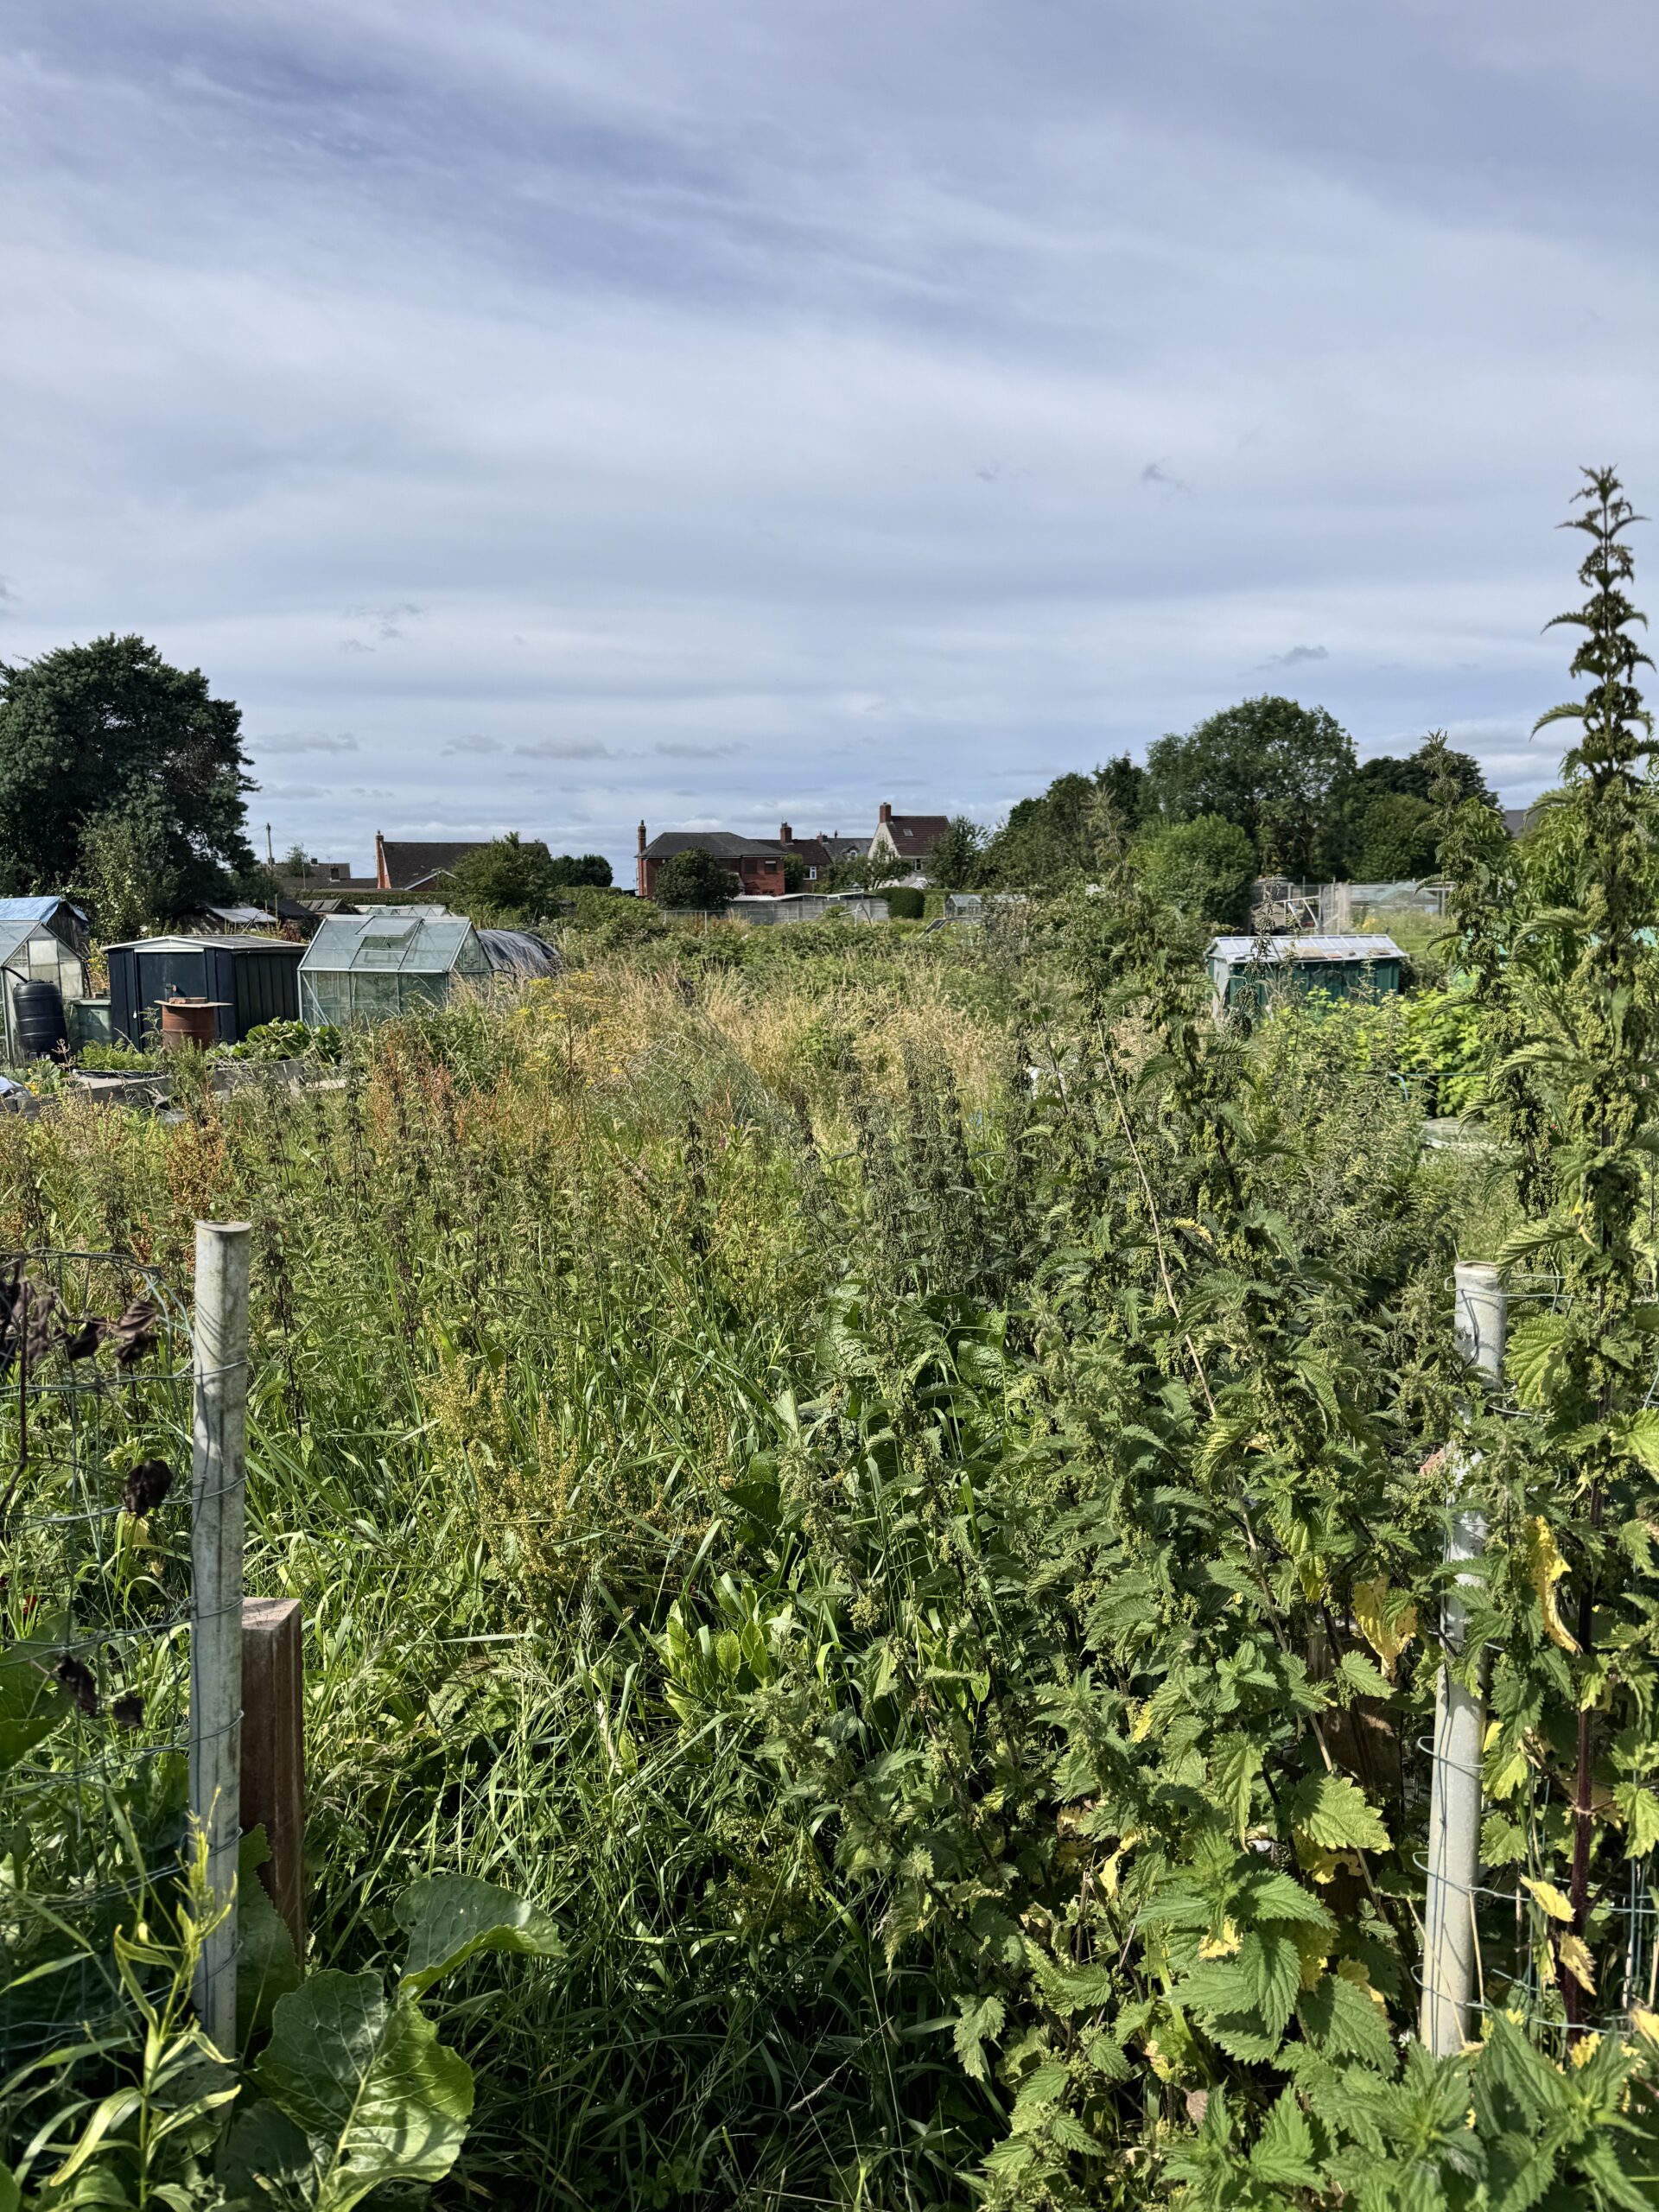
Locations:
(37, 907)
(518, 952)
(1244, 951)
(230, 940)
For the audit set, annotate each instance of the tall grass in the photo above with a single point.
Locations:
(545, 1292)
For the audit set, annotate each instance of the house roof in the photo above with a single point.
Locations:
(719, 844)
(842, 848)
(412, 861)
(1241, 952)
(915, 835)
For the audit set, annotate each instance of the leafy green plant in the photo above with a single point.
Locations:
(356, 2091)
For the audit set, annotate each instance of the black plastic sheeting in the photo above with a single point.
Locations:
(518, 952)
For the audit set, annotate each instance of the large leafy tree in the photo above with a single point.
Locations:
(1075, 828)
(1390, 811)
(1272, 766)
(1202, 868)
(91, 733)
(518, 880)
(695, 878)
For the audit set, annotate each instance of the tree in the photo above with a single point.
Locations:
(1388, 807)
(1202, 868)
(796, 876)
(91, 733)
(956, 862)
(506, 881)
(868, 871)
(694, 879)
(126, 870)
(1270, 765)
(589, 871)
(1075, 828)
(1398, 839)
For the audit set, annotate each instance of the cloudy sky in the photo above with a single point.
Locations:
(538, 415)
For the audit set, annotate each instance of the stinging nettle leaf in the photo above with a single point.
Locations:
(453, 1917)
(1333, 1811)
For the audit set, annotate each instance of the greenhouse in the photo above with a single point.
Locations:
(32, 953)
(370, 967)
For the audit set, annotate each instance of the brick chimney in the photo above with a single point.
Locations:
(382, 874)
(785, 835)
(642, 837)
(886, 810)
(642, 867)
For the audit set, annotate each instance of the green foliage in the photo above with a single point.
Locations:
(957, 862)
(693, 880)
(126, 868)
(505, 882)
(1202, 868)
(906, 905)
(1274, 767)
(1399, 839)
(289, 1040)
(1553, 932)
(110, 760)
(796, 875)
(607, 919)
(1074, 830)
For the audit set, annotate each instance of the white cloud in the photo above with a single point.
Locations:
(800, 401)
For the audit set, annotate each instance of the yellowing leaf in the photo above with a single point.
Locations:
(1584, 2048)
(1142, 1725)
(1387, 1630)
(1550, 1897)
(1355, 1970)
(1222, 1946)
(1646, 2025)
(1545, 1567)
(1576, 1960)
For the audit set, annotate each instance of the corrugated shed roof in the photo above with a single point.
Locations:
(37, 907)
(1241, 952)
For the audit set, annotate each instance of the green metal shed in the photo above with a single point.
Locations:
(1244, 972)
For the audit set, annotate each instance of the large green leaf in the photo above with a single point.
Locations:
(1333, 1811)
(31, 1704)
(266, 1969)
(452, 1917)
(368, 2083)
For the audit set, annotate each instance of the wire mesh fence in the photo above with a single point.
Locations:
(95, 1616)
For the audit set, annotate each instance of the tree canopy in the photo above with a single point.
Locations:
(1272, 766)
(1202, 868)
(695, 878)
(956, 862)
(1072, 829)
(91, 733)
(515, 879)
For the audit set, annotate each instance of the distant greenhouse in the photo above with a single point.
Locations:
(370, 967)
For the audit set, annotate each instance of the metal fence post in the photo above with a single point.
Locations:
(1449, 1947)
(217, 1474)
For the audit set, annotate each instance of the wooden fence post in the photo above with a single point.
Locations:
(273, 1750)
(217, 1509)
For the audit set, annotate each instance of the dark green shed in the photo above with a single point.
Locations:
(1244, 971)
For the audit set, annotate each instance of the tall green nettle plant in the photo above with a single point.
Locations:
(1573, 1696)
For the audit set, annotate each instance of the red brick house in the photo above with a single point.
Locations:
(757, 862)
